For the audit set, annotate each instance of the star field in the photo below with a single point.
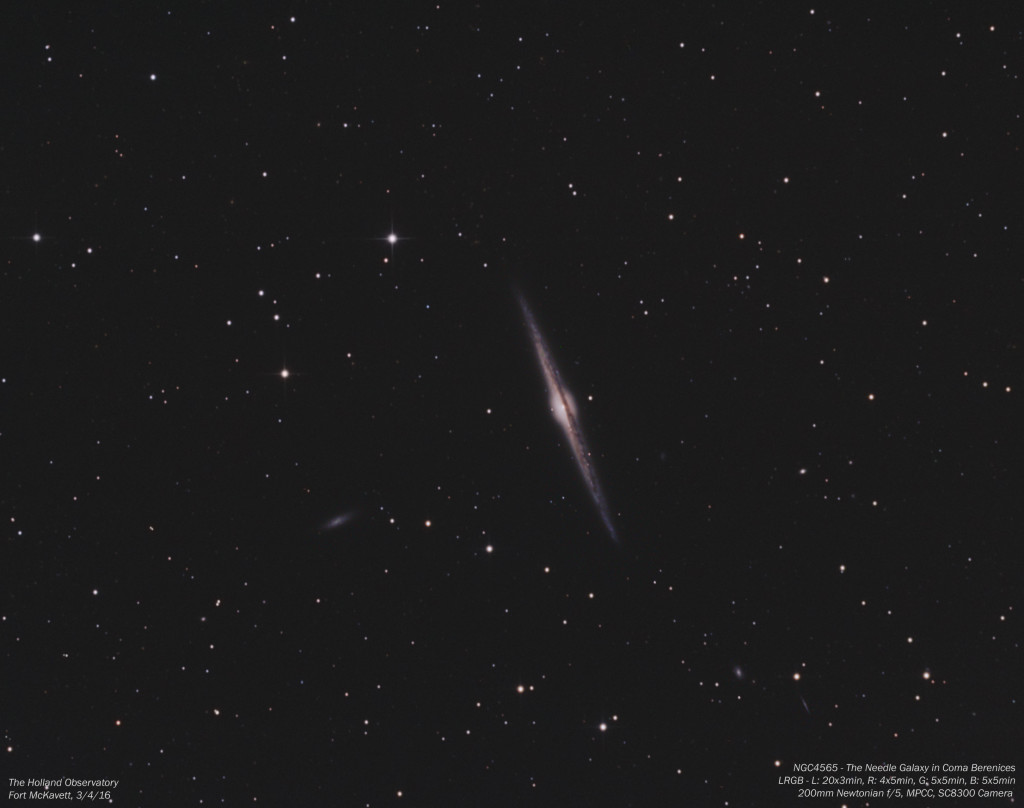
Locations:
(287, 518)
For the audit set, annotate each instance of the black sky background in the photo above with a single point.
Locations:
(776, 256)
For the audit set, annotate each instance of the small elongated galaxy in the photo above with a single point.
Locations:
(563, 407)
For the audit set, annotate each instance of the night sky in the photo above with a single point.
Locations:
(287, 516)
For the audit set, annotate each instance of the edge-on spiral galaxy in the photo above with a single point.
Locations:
(563, 407)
